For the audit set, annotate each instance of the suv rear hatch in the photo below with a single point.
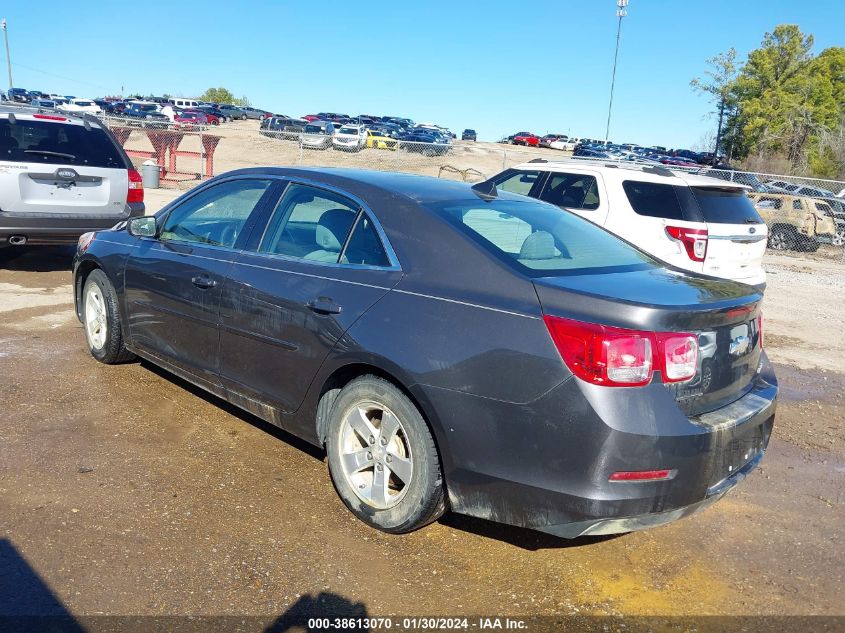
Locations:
(736, 234)
(724, 316)
(60, 166)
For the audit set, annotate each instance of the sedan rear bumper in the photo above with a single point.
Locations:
(546, 465)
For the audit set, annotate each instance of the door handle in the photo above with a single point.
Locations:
(203, 281)
(324, 305)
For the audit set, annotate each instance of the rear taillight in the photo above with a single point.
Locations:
(694, 241)
(84, 242)
(135, 192)
(618, 357)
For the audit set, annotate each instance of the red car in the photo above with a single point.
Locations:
(311, 117)
(190, 119)
(212, 118)
(526, 138)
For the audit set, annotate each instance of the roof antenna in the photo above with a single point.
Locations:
(486, 190)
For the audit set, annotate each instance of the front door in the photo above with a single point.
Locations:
(173, 281)
(321, 263)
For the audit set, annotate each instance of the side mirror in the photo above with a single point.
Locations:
(143, 227)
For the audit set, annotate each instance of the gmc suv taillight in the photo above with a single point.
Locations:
(694, 241)
(135, 192)
(618, 357)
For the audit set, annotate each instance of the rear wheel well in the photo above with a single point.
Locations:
(346, 374)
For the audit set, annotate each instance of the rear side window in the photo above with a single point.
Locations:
(572, 191)
(657, 200)
(767, 202)
(33, 141)
(725, 206)
(364, 247)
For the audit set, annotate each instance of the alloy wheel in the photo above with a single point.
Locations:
(375, 454)
(96, 324)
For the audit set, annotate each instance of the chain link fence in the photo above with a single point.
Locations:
(804, 215)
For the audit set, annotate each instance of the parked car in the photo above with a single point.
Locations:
(190, 120)
(70, 176)
(469, 135)
(320, 306)
(214, 115)
(693, 222)
(145, 114)
(232, 112)
(20, 95)
(525, 138)
(425, 144)
(43, 103)
(376, 140)
(548, 139)
(317, 135)
(350, 138)
(795, 222)
(565, 144)
(80, 105)
(282, 127)
(255, 113)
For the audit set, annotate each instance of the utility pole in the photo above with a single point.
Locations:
(621, 12)
(8, 59)
(719, 129)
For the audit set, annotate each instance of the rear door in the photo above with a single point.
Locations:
(736, 232)
(50, 164)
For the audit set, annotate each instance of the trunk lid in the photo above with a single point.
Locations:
(723, 315)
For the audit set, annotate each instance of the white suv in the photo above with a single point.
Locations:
(698, 223)
(61, 175)
(350, 138)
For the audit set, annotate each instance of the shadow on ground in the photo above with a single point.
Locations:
(38, 259)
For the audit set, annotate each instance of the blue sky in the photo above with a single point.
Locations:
(496, 66)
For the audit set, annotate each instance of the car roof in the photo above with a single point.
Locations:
(648, 173)
(75, 118)
(420, 189)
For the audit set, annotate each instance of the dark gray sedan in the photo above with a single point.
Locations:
(450, 346)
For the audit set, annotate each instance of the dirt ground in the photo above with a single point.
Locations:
(125, 491)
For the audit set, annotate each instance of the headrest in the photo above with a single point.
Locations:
(333, 227)
(538, 245)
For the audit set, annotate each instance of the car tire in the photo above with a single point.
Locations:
(839, 238)
(243, 118)
(391, 483)
(780, 239)
(101, 320)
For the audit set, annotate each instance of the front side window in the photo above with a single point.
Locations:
(520, 182)
(542, 240)
(573, 191)
(215, 216)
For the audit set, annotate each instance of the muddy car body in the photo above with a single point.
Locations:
(458, 321)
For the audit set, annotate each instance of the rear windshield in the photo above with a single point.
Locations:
(691, 204)
(725, 206)
(33, 141)
(540, 239)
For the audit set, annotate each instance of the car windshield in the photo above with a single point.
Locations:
(313, 129)
(540, 239)
(349, 130)
(83, 103)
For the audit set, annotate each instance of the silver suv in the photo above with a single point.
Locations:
(61, 175)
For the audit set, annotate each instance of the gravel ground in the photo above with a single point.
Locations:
(125, 491)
